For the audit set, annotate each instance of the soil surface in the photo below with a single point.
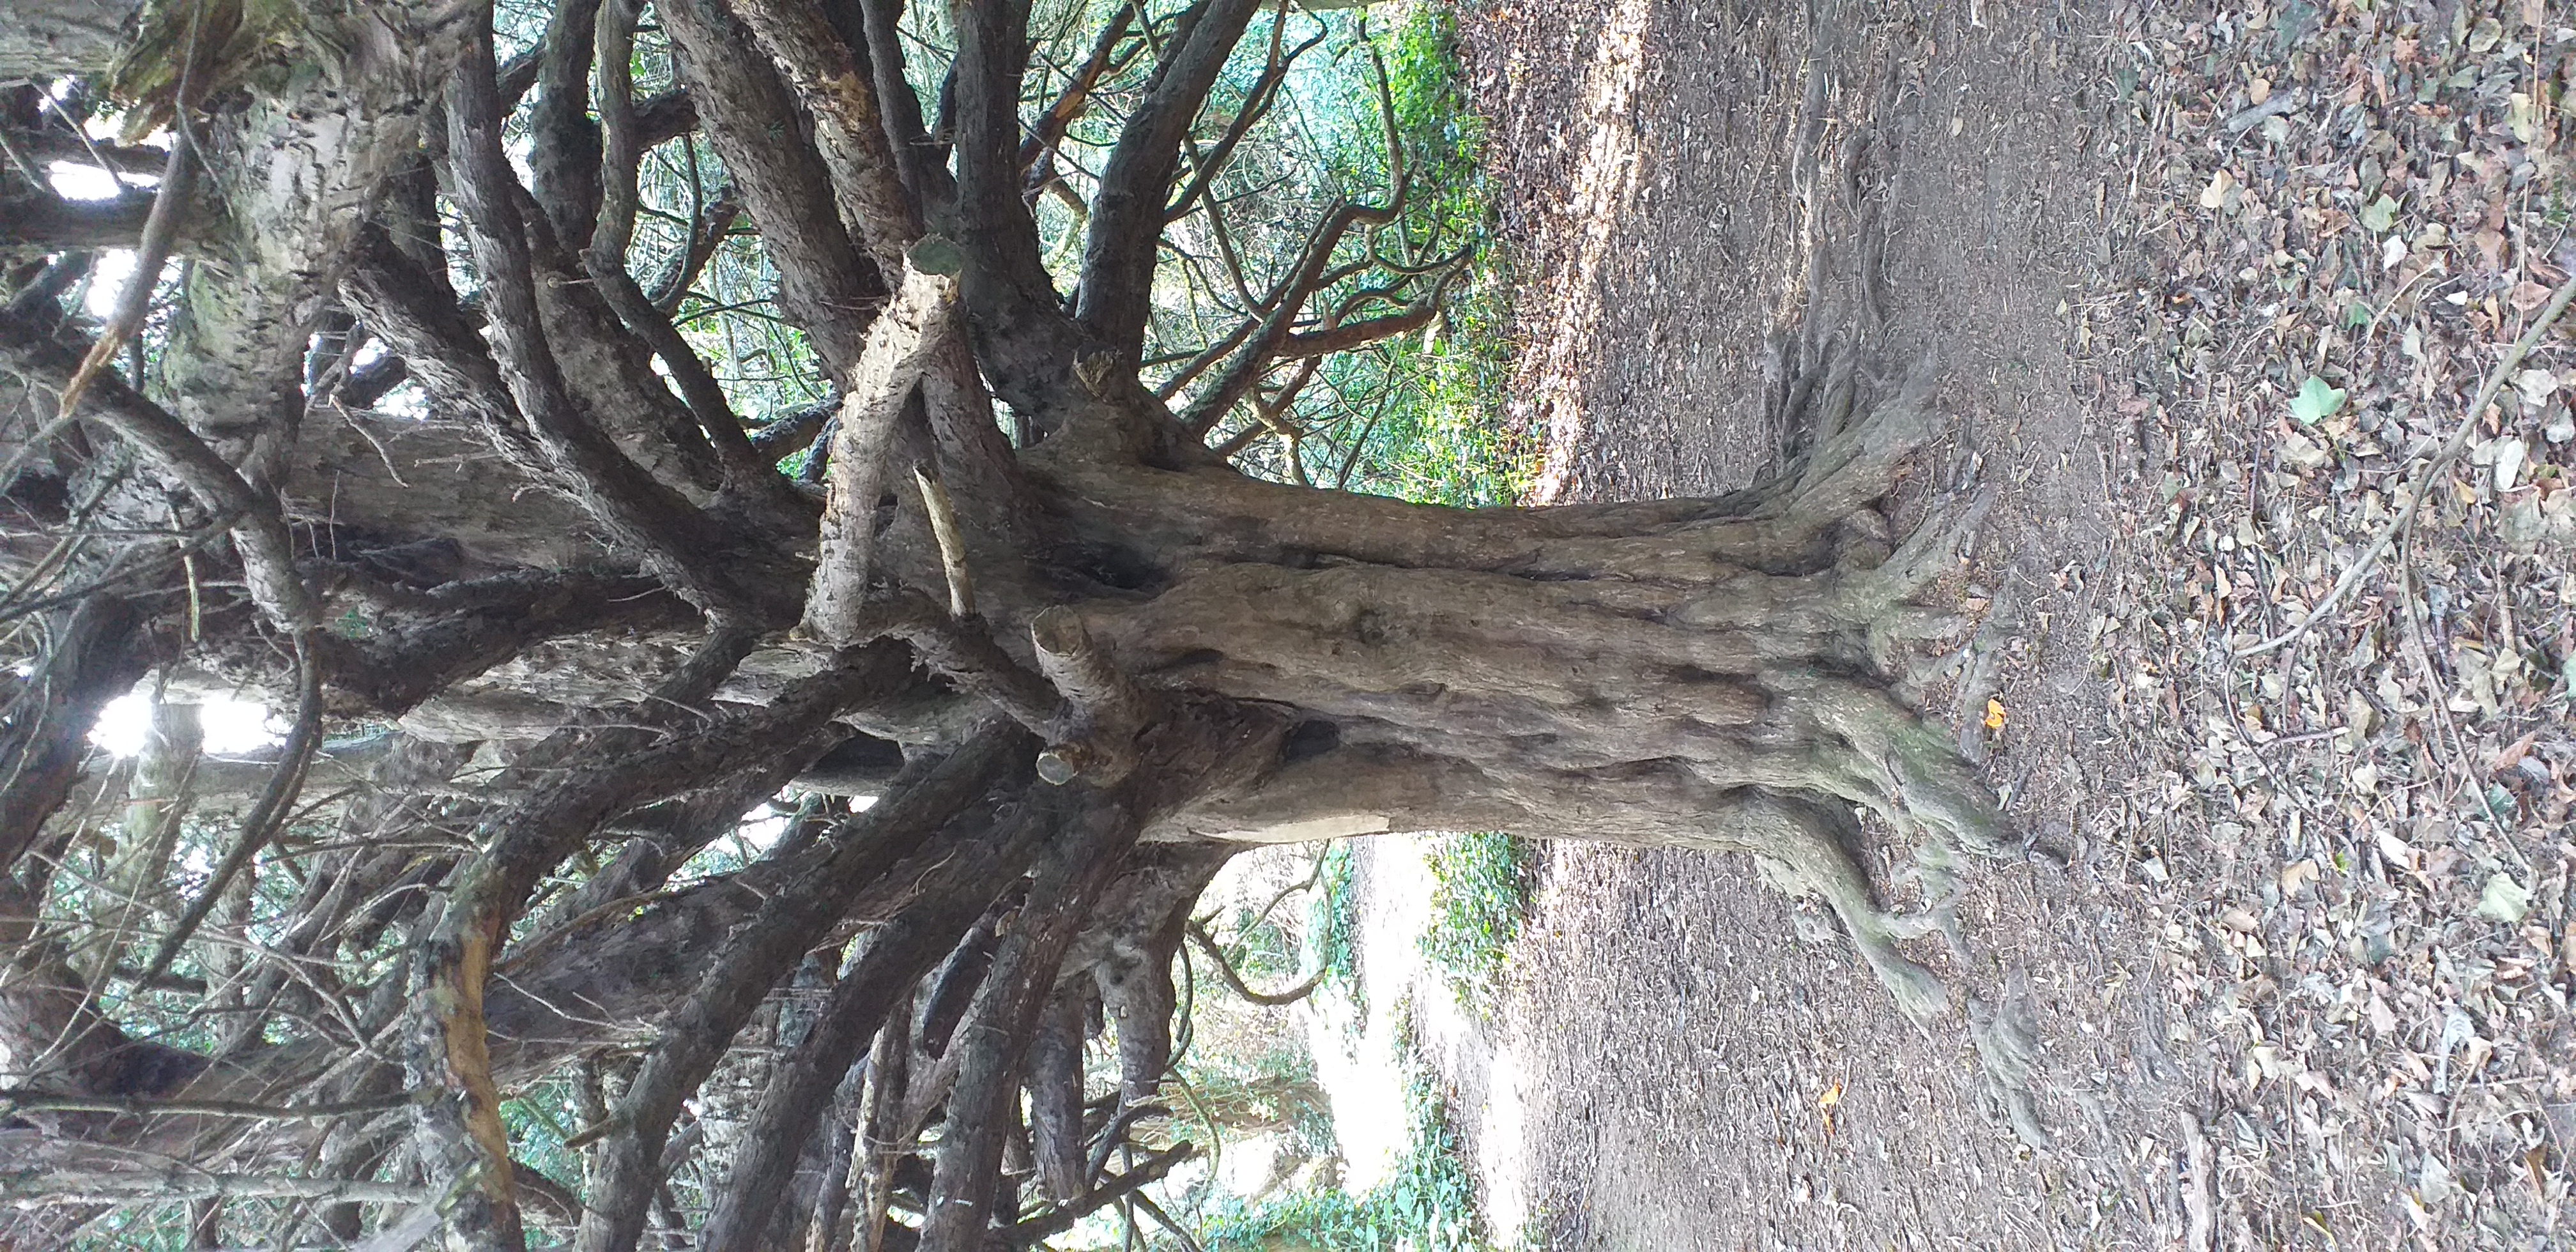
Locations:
(2277, 995)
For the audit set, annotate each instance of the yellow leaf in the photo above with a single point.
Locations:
(1994, 715)
(1833, 1095)
(2215, 195)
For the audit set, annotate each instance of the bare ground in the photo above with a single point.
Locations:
(2279, 998)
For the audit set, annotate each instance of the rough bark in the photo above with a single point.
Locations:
(750, 119)
(42, 38)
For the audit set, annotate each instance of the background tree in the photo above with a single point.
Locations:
(614, 439)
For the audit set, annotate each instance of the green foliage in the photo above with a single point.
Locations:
(1415, 415)
(1443, 439)
(1273, 1089)
(2315, 402)
(1426, 1204)
(1263, 947)
(1333, 922)
(1481, 896)
(1437, 436)
(539, 1120)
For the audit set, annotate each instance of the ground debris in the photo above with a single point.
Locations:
(2210, 284)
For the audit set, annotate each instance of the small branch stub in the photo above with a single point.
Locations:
(1059, 766)
(1097, 742)
(1070, 659)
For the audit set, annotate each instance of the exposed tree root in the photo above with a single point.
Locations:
(2007, 1044)
(1804, 851)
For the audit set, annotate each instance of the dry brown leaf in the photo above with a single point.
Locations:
(2215, 195)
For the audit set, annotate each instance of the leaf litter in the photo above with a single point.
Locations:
(2362, 835)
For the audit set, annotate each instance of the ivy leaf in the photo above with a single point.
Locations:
(2379, 215)
(2504, 900)
(2315, 402)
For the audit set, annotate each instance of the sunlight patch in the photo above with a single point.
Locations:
(77, 180)
(1605, 178)
(1359, 1050)
(1502, 1145)
(232, 727)
(107, 278)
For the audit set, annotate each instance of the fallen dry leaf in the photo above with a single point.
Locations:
(2296, 876)
(2215, 195)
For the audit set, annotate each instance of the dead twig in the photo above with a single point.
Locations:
(173, 1185)
(37, 1103)
(952, 546)
(151, 252)
(1126, 1184)
(269, 815)
(2424, 479)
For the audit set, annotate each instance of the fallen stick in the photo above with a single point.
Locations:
(2451, 449)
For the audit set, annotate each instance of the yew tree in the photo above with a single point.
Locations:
(413, 425)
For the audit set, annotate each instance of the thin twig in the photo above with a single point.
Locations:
(2424, 478)
(17, 1102)
(1225, 970)
(372, 442)
(66, 1186)
(1111, 1191)
(523, 953)
(269, 815)
(1155, 1211)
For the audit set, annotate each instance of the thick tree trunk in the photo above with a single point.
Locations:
(1696, 674)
